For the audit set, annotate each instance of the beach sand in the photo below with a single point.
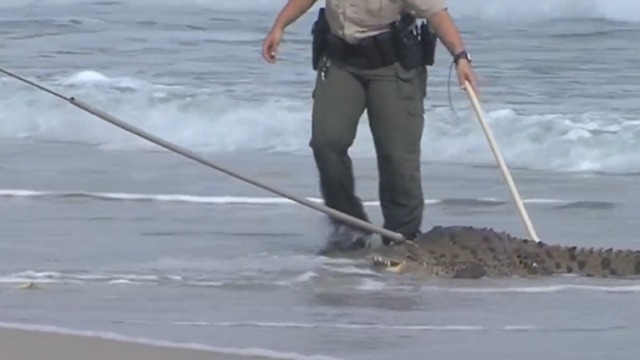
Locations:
(16, 344)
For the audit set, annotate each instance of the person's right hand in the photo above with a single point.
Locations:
(270, 45)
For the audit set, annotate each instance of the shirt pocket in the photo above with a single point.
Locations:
(368, 12)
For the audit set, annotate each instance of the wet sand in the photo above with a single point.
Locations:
(39, 345)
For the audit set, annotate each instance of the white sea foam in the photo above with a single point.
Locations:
(210, 121)
(279, 201)
(556, 288)
(385, 327)
(218, 117)
(49, 279)
(289, 273)
(507, 10)
(496, 10)
(286, 325)
(57, 277)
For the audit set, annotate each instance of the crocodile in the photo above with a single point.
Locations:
(467, 252)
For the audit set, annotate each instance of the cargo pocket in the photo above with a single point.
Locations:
(411, 88)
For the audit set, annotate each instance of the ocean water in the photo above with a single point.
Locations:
(127, 238)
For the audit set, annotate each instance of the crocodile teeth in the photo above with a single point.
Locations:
(380, 261)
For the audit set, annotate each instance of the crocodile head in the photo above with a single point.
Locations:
(417, 260)
(396, 259)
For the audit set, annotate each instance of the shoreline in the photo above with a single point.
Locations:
(35, 342)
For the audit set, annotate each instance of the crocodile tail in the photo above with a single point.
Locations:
(593, 262)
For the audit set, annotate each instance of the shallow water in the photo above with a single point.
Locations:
(129, 239)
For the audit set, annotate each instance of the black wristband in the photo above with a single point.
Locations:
(461, 55)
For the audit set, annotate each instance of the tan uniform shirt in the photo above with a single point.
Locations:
(355, 19)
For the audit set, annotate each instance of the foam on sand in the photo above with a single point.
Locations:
(21, 342)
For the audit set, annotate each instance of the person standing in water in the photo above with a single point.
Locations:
(368, 56)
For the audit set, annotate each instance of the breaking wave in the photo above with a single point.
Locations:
(213, 121)
(495, 10)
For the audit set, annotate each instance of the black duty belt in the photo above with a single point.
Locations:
(405, 43)
(369, 53)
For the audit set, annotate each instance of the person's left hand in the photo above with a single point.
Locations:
(465, 73)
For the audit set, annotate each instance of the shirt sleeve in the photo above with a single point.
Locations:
(425, 8)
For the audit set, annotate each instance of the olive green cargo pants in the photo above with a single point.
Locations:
(393, 98)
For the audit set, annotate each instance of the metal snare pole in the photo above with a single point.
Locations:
(503, 167)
